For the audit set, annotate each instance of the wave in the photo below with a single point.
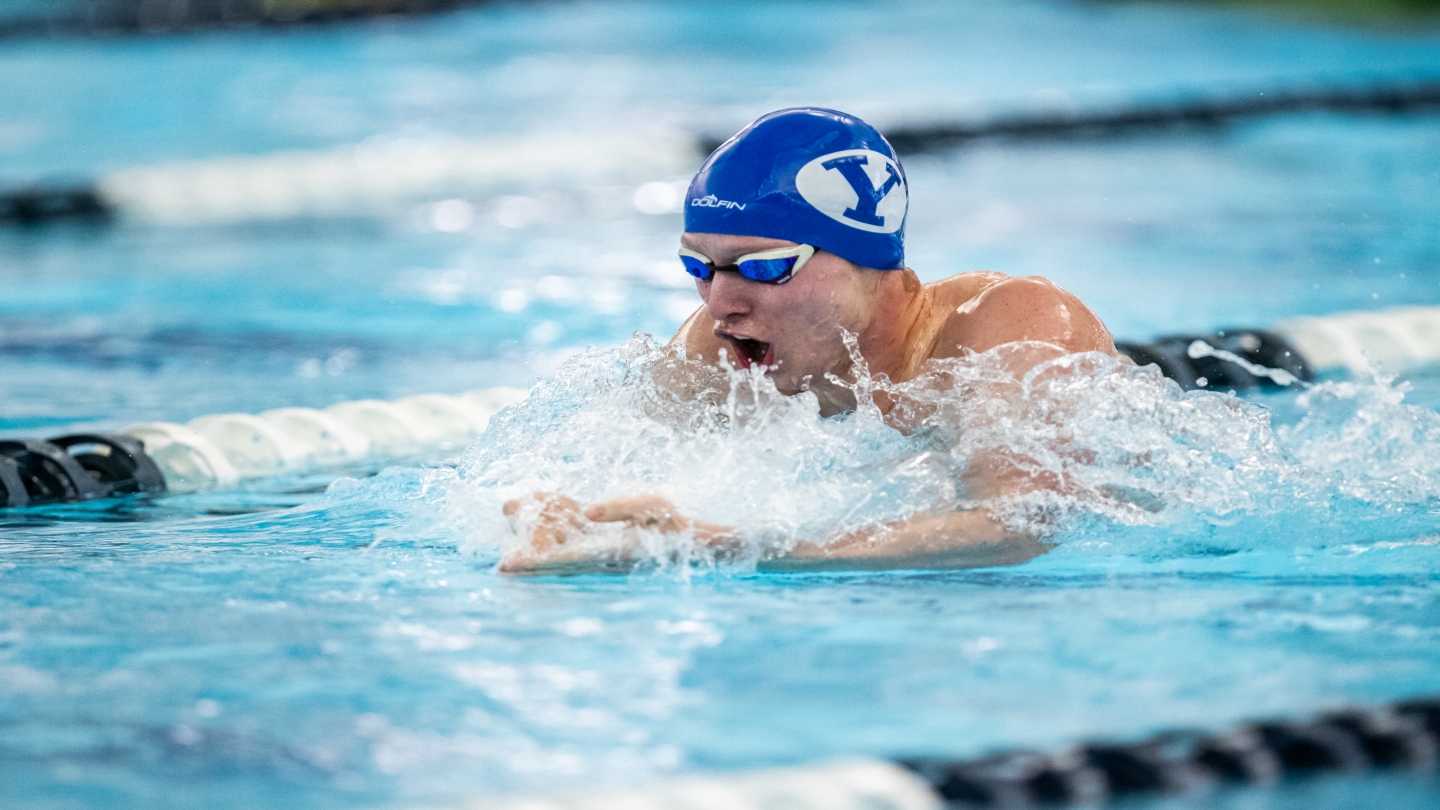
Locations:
(1127, 462)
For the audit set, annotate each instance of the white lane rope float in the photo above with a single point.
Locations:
(1403, 737)
(218, 451)
(847, 784)
(1396, 340)
(375, 176)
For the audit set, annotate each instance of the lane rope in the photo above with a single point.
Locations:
(1421, 95)
(382, 172)
(218, 450)
(1403, 738)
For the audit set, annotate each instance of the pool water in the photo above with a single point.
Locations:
(353, 646)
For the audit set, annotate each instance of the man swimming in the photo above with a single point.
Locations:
(794, 232)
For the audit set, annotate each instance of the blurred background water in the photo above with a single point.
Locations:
(1296, 215)
(331, 654)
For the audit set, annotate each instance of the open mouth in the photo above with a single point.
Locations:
(752, 352)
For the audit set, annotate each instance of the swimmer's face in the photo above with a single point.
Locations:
(794, 327)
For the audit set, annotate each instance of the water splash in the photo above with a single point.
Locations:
(1125, 455)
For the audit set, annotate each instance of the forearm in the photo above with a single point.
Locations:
(559, 540)
(970, 539)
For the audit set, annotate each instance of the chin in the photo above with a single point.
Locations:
(788, 383)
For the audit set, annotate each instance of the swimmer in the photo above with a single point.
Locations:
(794, 232)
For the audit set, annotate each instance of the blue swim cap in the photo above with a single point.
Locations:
(809, 175)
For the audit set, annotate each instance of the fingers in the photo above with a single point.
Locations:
(642, 511)
(557, 519)
(549, 502)
(560, 518)
(639, 507)
(554, 505)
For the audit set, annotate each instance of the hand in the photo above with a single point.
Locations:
(641, 512)
(558, 532)
(660, 515)
(554, 533)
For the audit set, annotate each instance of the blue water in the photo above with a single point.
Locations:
(356, 649)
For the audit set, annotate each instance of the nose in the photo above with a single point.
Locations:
(729, 298)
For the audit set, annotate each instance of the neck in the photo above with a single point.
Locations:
(886, 342)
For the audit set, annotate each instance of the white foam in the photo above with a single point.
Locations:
(1113, 442)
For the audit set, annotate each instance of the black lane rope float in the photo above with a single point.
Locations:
(1248, 359)
(1404, 736)
(37, 204)
(75, 468)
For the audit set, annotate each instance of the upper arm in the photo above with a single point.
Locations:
(1022, 309)
(1053, 323)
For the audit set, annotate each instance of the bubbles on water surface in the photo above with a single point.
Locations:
(1126, 462)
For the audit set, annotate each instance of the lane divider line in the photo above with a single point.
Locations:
(1402, 737)
(218, 450)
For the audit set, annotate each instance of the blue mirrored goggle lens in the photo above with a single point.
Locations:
(697, 268)
(768, 270)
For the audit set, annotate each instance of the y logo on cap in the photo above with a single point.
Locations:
(859, 187)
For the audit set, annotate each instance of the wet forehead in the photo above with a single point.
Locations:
(723, 249)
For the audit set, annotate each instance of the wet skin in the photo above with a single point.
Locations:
(795, 330)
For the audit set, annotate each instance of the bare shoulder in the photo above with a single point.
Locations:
(697, 337)
(985, 310)
(951, 292)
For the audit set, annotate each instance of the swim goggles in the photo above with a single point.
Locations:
(767, 267)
